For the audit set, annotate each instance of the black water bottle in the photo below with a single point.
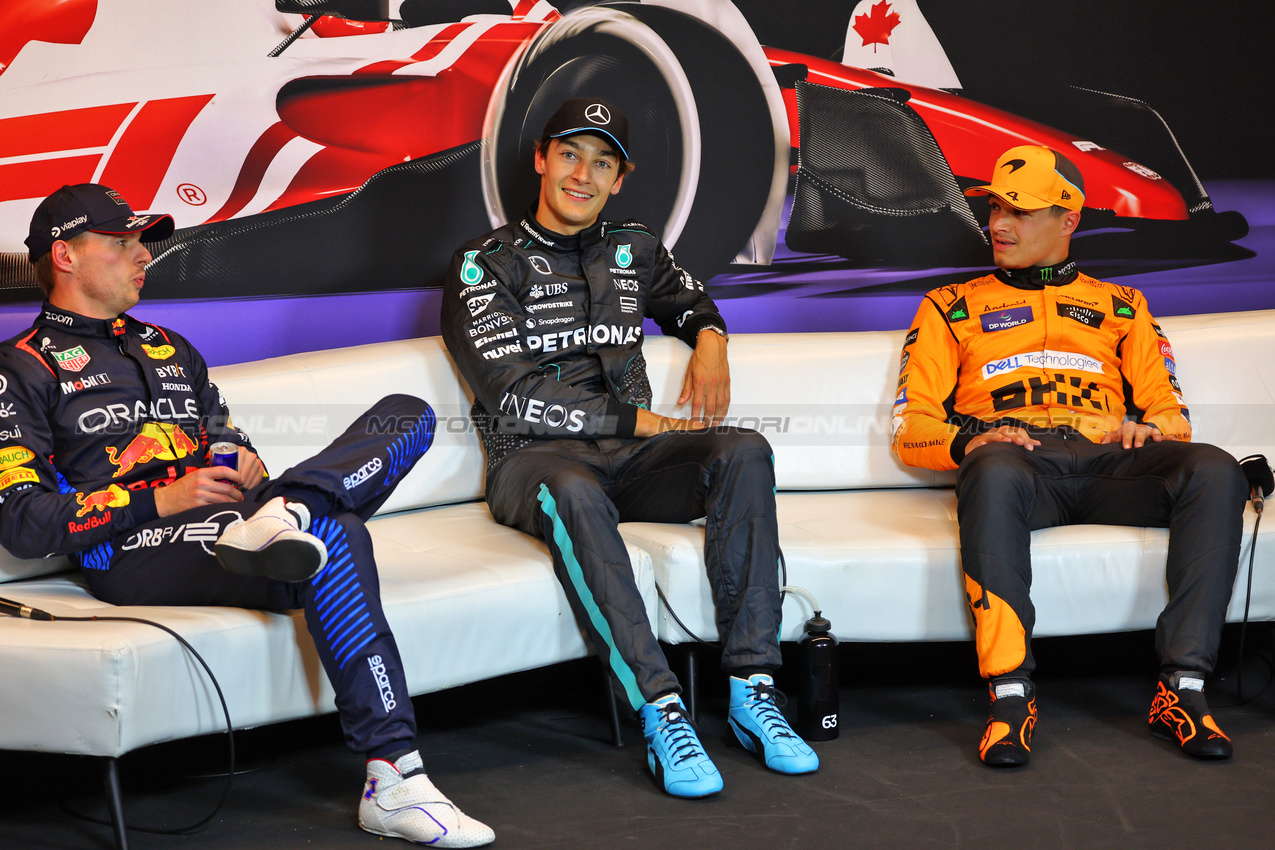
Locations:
(820, 684)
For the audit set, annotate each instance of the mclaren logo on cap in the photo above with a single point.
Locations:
(1015, 164)
(598, 114)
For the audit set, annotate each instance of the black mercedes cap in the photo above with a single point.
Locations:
(72, 210)
(590, 115)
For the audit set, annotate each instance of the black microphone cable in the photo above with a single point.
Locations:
(783, 591)
(17, 609)
(1248, 596)
(1261, 483)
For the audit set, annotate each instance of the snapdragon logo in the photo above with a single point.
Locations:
(377, 666)
(1042, 360)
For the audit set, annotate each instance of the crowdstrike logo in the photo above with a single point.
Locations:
(377, 666)
(548, 305)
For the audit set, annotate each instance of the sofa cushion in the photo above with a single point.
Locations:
(13, 569)
(884, 566)
(824, 400)
(292, 407)
(466, 598)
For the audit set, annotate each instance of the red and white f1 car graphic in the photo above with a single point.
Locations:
(356, 156)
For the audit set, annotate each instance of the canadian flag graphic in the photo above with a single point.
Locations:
(893, 35)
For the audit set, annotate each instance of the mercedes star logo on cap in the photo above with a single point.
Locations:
(598, 114)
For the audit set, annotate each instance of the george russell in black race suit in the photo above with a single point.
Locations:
(547, 330)
(550, 328)
(544, 320)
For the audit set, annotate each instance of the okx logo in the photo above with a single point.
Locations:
(624, 256)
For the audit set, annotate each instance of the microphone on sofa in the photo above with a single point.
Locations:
(17, 609)
(1261, 481)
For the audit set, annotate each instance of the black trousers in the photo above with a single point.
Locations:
(1004, 492)
(170, 561)
(573, 493)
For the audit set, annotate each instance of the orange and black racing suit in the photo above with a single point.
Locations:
(1068, 358)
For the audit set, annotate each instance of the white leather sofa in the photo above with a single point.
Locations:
(873, 540)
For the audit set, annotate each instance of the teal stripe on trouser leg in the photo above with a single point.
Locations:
(622, 671)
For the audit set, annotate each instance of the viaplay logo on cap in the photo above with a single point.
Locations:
(56, 231)
(598, 114)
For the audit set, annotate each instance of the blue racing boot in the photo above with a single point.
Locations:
(674, 752)
(762, 729)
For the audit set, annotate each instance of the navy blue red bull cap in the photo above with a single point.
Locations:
(72, 210)
(590, 115)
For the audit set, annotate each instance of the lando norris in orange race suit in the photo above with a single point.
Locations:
(1055, 396)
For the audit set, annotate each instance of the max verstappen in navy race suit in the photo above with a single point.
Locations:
(104, 457)
(1055, 396)
(544, 320)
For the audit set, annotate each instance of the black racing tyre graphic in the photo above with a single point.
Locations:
(700, 130)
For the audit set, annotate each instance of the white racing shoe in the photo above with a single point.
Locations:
(273, 543)
(414, 809)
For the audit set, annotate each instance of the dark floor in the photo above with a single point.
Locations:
(530, 755)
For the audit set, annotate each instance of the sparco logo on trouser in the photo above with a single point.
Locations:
(362, 474)
(382, 682)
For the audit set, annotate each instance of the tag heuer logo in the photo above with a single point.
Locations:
(73, 359)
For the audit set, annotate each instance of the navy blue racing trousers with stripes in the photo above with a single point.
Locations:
(573, 494)
(170, 561)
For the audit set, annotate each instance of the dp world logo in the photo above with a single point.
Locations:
(469, 271)
(624, 256)
(598, 114)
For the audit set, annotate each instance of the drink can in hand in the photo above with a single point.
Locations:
(224, 454)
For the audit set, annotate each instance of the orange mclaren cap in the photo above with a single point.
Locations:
(1032, 177)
